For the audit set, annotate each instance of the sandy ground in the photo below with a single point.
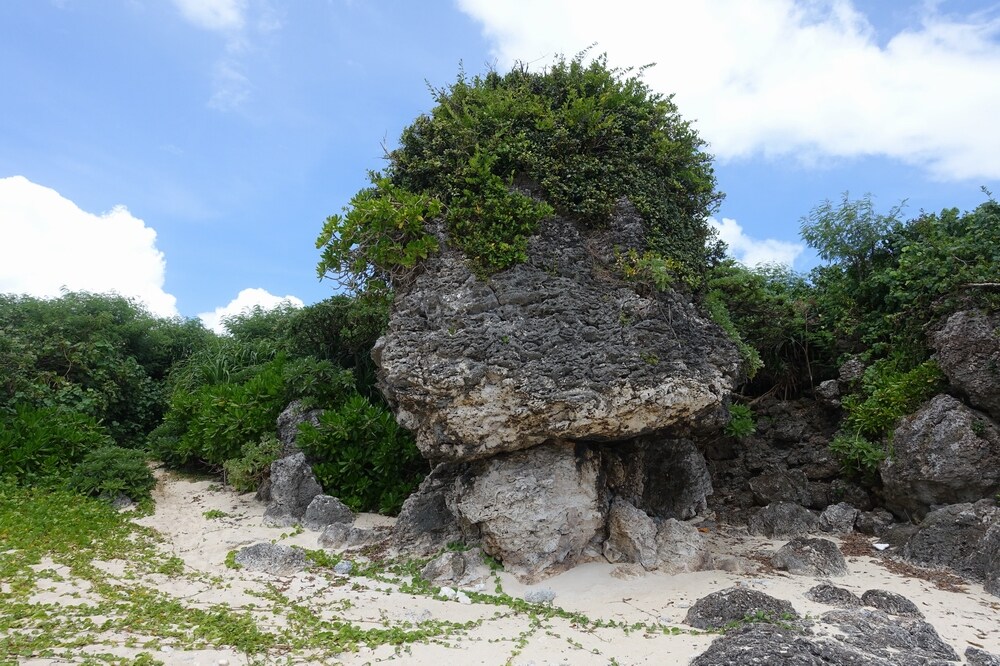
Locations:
(599, 591)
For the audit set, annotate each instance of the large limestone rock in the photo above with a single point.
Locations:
(668, 545)
(293, 487)
(945, 453)
(968, 351)
(555, 348)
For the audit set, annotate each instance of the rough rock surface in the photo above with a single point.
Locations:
(890, 637)
(874, 523)
(825, 593)
(735, 604)
(770, 645)
(425, 524)
(968, 351)
(631, 535)
(666, 477)
(272, 558)
(325, 510)
(293, 487)
(838, 518)
(553, 348)
(977, 657)
(963, 537)
(457, 568)
(803, 556)
(782, 520)
(781, 486)
(539, 510)
(344, 536)
(891, 603)
(289, 421)
(945, 453)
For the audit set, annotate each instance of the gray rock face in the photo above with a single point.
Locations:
(803, 556)
(425, 524)
(909, 641)
(838, 518)
(874, 523)
(288, 425)
(457, 568)
(293, 487)
(977, 657)
(963, 537)
(968, 351)
(344, 536)
(667, 545)
(666, 477)
(945, 453)
(325, 510)
(554, 348)
(272, 558)
(769, 645)
(891, 603)
(539, 510)
(736, 604)
(782, 520)
(783, 486)
(824, 593)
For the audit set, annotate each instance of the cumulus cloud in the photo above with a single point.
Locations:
(245, 301)
(810, 78)
(49, 243)
(751, 251)
(221, 15)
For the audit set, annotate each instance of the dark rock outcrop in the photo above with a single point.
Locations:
(769, 645)
(831, 595)
(293, 487)
(838, 518)
(782, 520)
(977, 657)
(891, 603)
(666, 477)
(896, 639)
(425, 524)
(968, 352)
(803, 556)
(736, 604)
(945, 453)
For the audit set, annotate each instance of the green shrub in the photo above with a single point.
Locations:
(246, 472)
(42, 444)
(362, 456)
(111, 471)
(741, 422)
(858, 456)
(889, 394)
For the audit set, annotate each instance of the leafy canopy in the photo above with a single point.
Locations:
(500, 152)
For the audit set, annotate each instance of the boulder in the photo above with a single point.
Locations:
(325, 510)
(874, 523)
(838, 518)
(977, 657)
(831, 595)
(631, 535)
(891, 603)
(680, 547)
(288, 424)
(554, 348)
(538, 510)
(425, 524)
(344, 536)
(803, 556)
(459, 568)
(945, 453)
(293, 487)
(903, 640)
(736, 604)
(782, 520)
(770, 645)
(781, 486)
(968, 352)
(273, 558)
(956, 537)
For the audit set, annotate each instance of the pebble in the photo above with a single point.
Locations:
(344, 567)
(539, 595)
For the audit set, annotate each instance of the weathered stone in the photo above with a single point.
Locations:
(770, 645)
(985, 562)
(457, 568)
(325, 510)
(803, 556)
(735, 604)
(667, 478)
(783, 486)
(891, 603)
(343, 536)
(344, 567)
(910, 641)
(288, 424)
(852, 370)
(782, 520)
(945, 453)
(553, 348)
(968, 351)
(874, 523)
(824, 593)
(273, 558)
(842, 490)
(539, 595)
(631, 535)
(828, 392)
(425, 524)
(538, 511)
(680, 547)
(293, 487)
(952, 536)
(838, 518)
(977, 657)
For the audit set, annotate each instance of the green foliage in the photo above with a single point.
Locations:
(717, 310)
(741, 422)
(246, 472)
(500, 152)
(888, 394)
(40, 445)
(110, 471)
(857, 455)
(362, 456)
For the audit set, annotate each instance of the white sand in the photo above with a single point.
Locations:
(598, 591)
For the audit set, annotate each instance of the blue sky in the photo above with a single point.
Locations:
(188, 151)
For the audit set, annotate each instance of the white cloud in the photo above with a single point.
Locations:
(49, 243)
(246, 300)
(778, 77)
(753, 252)
(231, 86)
(221, 15)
